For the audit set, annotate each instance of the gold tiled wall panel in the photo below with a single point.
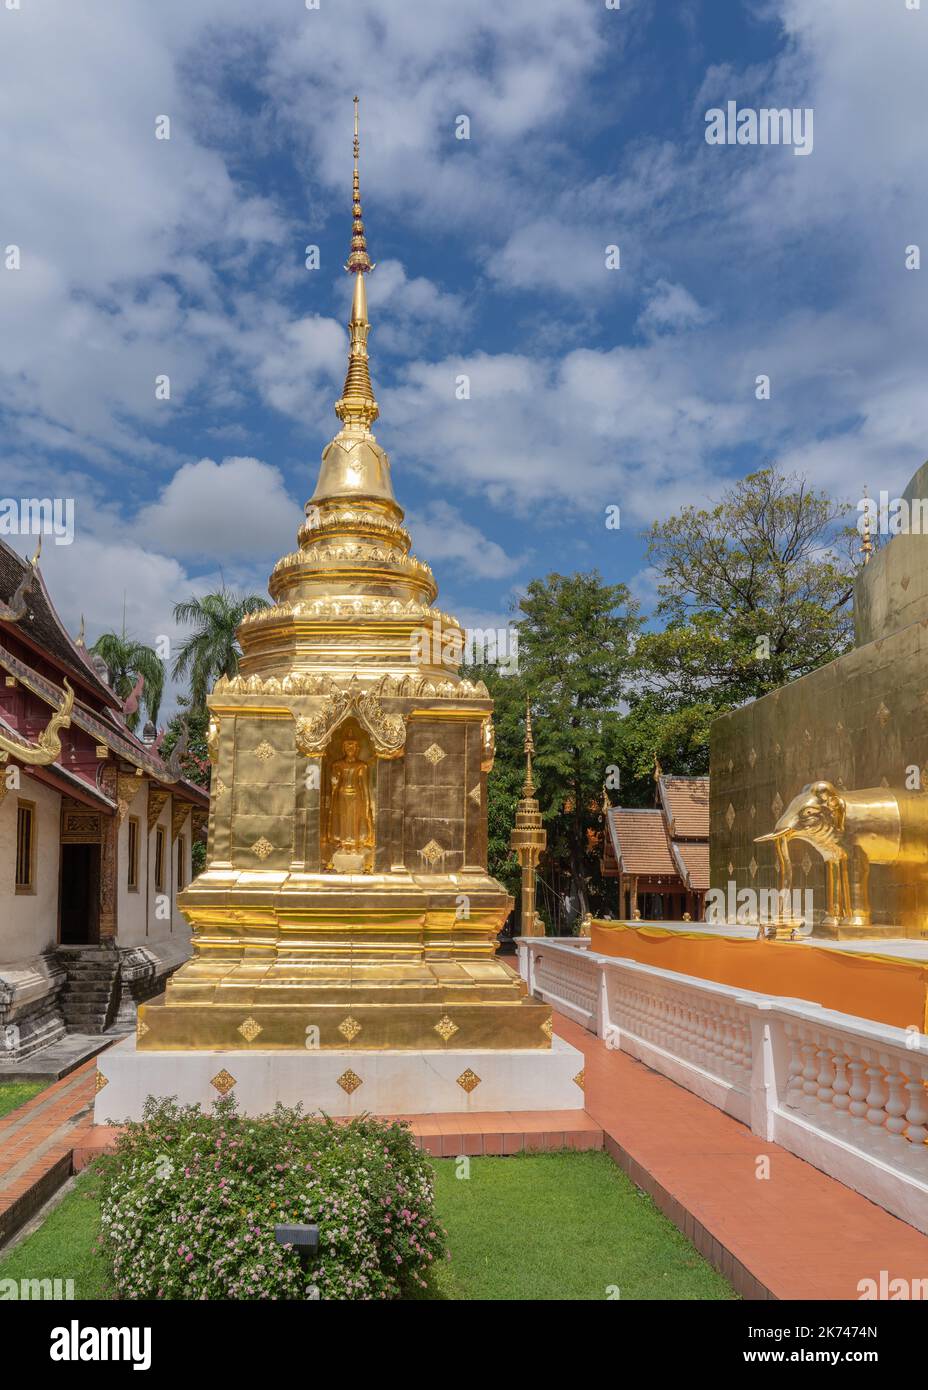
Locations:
(264, 792)
(861, 721)
(435, 795)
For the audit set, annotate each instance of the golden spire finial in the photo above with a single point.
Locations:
(529, 787)
(866, 545)
(358, 260)
(357, 406)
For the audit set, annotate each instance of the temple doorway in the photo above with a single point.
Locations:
(80, 895)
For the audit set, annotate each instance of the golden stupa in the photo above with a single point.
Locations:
(346, 898)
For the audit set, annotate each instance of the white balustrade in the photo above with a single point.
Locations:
(847, 1094)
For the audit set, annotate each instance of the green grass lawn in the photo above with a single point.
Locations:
(561, 1226)
(538, 1226)
(13, 1093)
(63, 1247)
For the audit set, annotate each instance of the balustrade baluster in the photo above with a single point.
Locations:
(917, 1113)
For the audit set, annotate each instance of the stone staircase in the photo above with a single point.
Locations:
(90, 998)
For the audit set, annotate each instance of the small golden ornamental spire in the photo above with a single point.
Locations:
(528, 837)
(866, 545)
(528, 789)
(357, 407)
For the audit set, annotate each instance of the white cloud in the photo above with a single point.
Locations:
(231, 511)
(443, 536)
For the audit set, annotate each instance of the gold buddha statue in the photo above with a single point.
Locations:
(349, 829)
(346, 892)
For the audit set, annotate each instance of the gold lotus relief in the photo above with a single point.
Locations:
(355, 553)
(412, 686)
(360, 606)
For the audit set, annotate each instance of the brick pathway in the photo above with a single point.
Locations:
(36, 1141)
(797, 1235)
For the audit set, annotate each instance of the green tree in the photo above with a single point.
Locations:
(753, 594)
(575, 635)
(195, 765)
(211, 650)
(126, 660)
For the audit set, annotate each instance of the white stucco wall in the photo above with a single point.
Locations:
(131, 907)
(29, 921)
(139, 920)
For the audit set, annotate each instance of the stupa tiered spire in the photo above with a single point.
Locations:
(357, 406)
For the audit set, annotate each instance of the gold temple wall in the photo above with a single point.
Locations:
(861, 721)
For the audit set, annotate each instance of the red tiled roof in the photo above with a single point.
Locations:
(693, 860)
(640, 842)
(686, 803)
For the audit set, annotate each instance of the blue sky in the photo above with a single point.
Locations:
(589, 387)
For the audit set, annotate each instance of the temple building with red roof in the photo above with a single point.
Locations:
(661, 857)
(96, 835)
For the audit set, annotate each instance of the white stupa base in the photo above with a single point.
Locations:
(392, 1083)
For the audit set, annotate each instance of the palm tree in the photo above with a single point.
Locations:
(126, 660)
(211, 650)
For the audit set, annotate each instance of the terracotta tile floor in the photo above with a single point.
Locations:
(799, 1234)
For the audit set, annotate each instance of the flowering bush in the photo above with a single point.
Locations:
(190, 1201)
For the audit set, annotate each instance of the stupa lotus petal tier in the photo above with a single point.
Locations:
(346, 885)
